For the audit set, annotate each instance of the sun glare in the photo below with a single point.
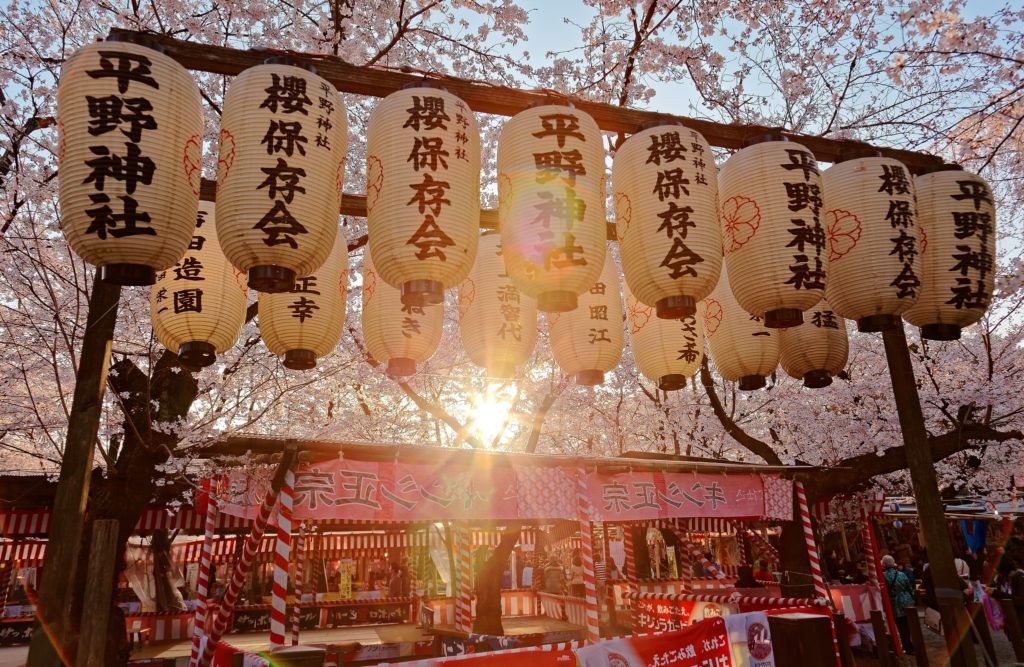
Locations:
(489, 415)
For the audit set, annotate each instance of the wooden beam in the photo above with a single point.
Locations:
(499, 100)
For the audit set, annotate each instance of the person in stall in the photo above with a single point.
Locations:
(745, 578)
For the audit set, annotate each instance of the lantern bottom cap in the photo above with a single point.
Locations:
(271, 279)
(752, 382)
(401, 367)
(674, 307)
(556, 301)
(940, 332)
(876, 323)
(419, 293)
(589, 378)
(783, 318)
(127, 275)
(299, 360)
(672, 382)
(817, 379)
(197, 354)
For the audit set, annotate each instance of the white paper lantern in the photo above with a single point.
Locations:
(743, 349)
(551, 203)
(423, 194)
(130, 154)
(305, 323)
(396, 334)
(587, 342)
(666, 214)
(198, 305)
(874, 272)
(497, 322)
(283, 139)
(957, 215)
(773, 232)
(666, 351)
(816, 350)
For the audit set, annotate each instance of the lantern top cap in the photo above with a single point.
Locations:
(855, 150)
(945, 166)
(436, 85)
(291, 61)
(660, 122)
(763, 135)
(150, 41)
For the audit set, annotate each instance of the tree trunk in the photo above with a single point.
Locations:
(488, 584)
(167, 598)
(793, 560)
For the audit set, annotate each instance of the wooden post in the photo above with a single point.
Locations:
(843, 639)
(980, 622)
(917, 636)
(881, 639)
(52, 635)
(99, 587)
(930, 511)
(1013, 628)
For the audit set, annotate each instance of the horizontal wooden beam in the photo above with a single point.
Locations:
(493, 99)
(355, 205)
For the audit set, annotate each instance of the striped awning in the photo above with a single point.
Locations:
(330, 546)
(24, 553)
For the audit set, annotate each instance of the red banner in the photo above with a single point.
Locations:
(705, 644)
(395, 491)
(670, 615)
(538, 658)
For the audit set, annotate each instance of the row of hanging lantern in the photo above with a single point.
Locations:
(867, 238)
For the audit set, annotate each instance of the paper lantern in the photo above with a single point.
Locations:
(283, 139)
(587, 342)
(817, 349)
(198, 305)
(874, 273)
(305, 323)
(551, 203)
(129, 154)
(957, 216)
(773, 232)
(742, 348)
(497, 322)
(666, 214)
(423, 194)
(666, 351)
(397, 334)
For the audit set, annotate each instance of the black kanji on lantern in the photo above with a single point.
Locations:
(132, 168)
(430, 240)
(975, 191)
(188, 300)
(675, 220)
(287, 94)
(665, 147)
(283, 180)
(127, 223)
(190, 268)
(824, 319)
(569, 209)
(430, 195)
(280, 226)
(599, 336)
(426, 113)
(428, 152)
(894, 180)
(302, 308)
(566, 255)
(111, 112)
(671, 183)
(680, 260)
(552, 164)
(561, 126)
(129, 67)
(284, 136)
(801, 160)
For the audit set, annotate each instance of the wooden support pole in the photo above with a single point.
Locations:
(984, 633)
(885, 657)
(930, 510)
(52, 634)
(843, 639)
(99, 588)
(1014, 631)
(917, 636)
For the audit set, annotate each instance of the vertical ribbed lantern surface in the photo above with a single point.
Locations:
(129, 157)
(283, 139)
(873, 271)
(666, 351)
(742, 348)
(587, 342)
(957, 216)
(198, 305)
(816, 350)
(497, 322)
(773, 230)
(423, 191)
(396, 334)
(305, 323)
(551, 203)
(666, 214)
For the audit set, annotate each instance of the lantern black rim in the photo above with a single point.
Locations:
(944, 332)
(556, 301)
(876, 323)
(271, 279)
(197, 354)
(420, 293)
(783, 318)
(854, 150)
(401, 367)
(817, 379)
(590, 377)
(752, 382)
(127, 275)
(299, 360)
(672, 382)
(674, 307)
(764, 136)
